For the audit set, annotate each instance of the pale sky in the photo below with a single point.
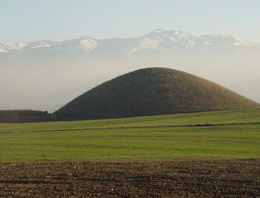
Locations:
(32, 20)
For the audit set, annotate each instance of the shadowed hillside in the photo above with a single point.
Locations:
(22, 116)
(152, 91)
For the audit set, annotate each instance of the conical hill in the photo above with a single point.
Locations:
(153, 91)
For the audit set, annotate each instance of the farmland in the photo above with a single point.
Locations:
(162, 155)
(231, 134)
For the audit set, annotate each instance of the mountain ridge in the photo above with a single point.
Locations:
(157, 40)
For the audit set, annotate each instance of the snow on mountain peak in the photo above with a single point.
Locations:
(21, 45)
(161, 30)
(41, 45)
(85, 44)
(7, 48)
(160, 40)
(228, 41)
(88, 43)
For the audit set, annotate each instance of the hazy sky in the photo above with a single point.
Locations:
(31, 20)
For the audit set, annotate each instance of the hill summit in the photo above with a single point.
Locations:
(152, 91)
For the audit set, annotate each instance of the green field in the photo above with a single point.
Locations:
(232, 134)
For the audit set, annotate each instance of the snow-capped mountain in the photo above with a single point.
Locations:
(174, 40)
(46, 74)
(85, 44)
(159, 40)
(168, 40)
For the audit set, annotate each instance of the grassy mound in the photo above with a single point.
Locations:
(152, 91)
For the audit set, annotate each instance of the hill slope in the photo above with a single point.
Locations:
(152, 91)
(23, 116)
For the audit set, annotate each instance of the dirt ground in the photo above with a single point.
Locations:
(136, 178)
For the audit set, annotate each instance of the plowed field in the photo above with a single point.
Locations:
(132, 178)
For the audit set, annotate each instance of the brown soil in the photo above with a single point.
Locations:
(157, 178)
